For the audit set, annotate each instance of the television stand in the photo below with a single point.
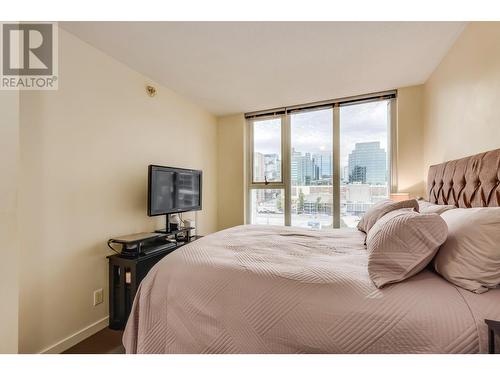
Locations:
(125, 275)
(175, 233)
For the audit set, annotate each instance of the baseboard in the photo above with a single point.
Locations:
(77, 337)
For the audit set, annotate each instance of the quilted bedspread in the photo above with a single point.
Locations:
(264, 289)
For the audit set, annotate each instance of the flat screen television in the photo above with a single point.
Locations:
(173, 190)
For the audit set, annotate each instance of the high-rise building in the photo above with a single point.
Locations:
(267, 166)
(308, 168)
(368, 164)
(272, 167)
(302, 168)
(323, 164)
(258, 167)
(358, 174)
(294, 167)
(344, 173)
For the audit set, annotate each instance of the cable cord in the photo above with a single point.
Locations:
(112, 248)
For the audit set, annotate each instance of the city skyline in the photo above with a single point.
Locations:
(363, 165)
(368, 158)
(312, 131)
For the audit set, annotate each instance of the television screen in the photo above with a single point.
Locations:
(172, 190)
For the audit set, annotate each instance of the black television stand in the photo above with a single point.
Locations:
(167, 225)
(175, 233)
(125, 275)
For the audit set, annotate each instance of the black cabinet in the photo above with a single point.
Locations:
(493, 330)
(125, 275)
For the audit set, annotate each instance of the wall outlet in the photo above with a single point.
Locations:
(98, 297)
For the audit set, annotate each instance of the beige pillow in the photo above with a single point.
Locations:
(379, 209)
(470, 257)
(402, 243)
(425, 207)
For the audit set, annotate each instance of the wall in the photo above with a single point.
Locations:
(9, 251)
(231, 170)
(462, 96)
(410, 141)
(84, 155)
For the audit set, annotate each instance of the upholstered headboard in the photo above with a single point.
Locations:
(473, 181)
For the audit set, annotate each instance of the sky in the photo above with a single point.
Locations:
(362, 123)
(312, 130)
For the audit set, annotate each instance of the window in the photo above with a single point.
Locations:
(268, 206)
(267, 150)
(311, 168)
(320, 167)
(364, 172)
(267, 193)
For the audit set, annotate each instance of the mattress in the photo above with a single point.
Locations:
(265, 289)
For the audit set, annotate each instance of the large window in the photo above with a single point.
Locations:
(311, 168)
(320, 167)
(364, 173)
(267, 193)
(267, 150)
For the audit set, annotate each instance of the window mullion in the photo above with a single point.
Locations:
(286, 167)
(336, 167)
(249, 171)
(392, 145)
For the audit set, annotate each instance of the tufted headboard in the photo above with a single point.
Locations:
(473, 181)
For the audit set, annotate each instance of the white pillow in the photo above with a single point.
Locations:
(401, 244)
(470, 257)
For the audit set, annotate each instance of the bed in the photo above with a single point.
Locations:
(256, 289)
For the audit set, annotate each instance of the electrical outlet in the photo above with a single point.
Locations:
(98, 297)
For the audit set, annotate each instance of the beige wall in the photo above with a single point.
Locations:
(84, 155)
(9, 251)
(410, 141)
(231, 170)
(462, 97)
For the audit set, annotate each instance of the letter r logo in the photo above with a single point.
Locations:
(27, 49)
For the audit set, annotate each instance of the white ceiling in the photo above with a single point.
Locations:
(231, 67)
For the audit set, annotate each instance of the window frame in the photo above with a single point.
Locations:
(250, 124)
(281, 185)
(285, 183)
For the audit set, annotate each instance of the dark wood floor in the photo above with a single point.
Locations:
(107, 341)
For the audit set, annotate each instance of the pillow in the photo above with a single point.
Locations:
(379, 209)
(470, 257)
(425, 207)
(402, 243)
